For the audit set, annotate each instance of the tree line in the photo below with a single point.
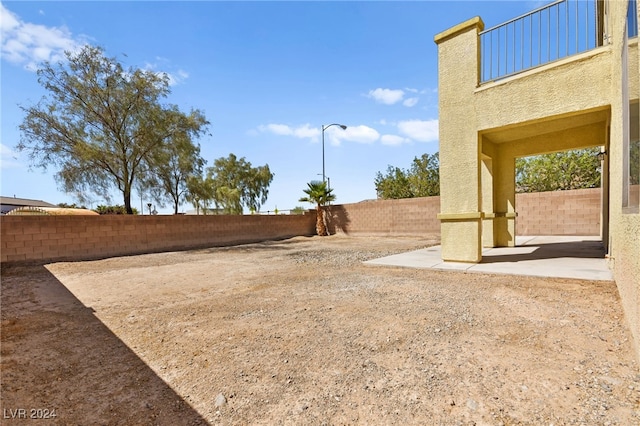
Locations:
(575, 169)
(104, 128)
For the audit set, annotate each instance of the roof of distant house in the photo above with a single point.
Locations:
(14, 201)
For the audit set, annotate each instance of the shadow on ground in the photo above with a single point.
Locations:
(58, 359)
(584, 249)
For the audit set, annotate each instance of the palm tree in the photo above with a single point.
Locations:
(318, 194)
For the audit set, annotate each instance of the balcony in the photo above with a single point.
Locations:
(552, 32)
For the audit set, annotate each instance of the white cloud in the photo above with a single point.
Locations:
(393, 140)
(304, 131)
(410, 102)
(180, 75)
(408, 131)
(278, 129)
(8, 158)
(393, 96)
(420, 130)
(175, 78)
(386, 96)
(29, 44)
(358, 134)
(334, 135)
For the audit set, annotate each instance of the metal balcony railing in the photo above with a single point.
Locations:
(557, 30)
(632, 19)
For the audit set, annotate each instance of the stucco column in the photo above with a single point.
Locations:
(486, 181)
(460, 165)
(504, 199)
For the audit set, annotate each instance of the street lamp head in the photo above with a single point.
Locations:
(342, 126)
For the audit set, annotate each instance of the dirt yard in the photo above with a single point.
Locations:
(300, 332)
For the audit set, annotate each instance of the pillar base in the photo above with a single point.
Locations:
(499, 229)
(460, 236)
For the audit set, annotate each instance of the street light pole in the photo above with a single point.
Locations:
(324, 176)
(328, 182)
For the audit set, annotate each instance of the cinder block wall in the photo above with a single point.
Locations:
(410, 216)
(39, 238)
(546, 213)
(575, 212)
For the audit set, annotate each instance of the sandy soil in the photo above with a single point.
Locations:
(301, 332)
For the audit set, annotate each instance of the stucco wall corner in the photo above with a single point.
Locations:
(475, 22)
(626, 271)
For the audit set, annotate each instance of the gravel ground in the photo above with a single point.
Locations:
(301, 332)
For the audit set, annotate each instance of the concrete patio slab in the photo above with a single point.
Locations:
(579, 257)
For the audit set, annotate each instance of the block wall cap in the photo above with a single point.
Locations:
(475, 22)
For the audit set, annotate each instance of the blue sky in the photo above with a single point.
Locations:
(267, 75)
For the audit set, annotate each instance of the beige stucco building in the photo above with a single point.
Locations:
(564, 76)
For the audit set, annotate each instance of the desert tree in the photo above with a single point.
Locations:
(170, 168)
(200, 193)
(393, 184)
(424, 176)
(101, 124)
(575, 169)
(236, 184)
(421, 180)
